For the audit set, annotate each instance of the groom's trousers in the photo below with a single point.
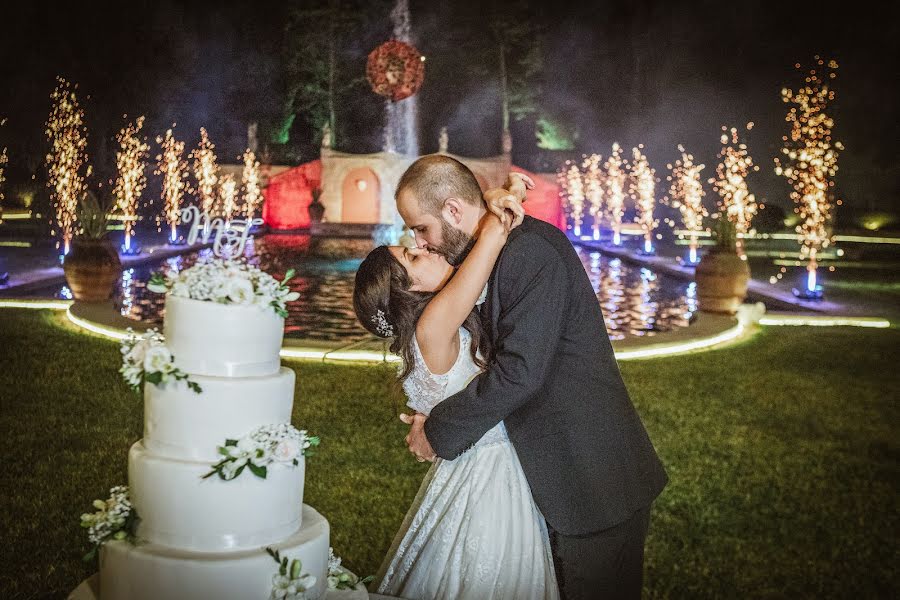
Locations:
(608, 564)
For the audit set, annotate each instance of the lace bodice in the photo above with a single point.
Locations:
(424, 390)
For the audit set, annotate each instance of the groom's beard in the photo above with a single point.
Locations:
(455, 246)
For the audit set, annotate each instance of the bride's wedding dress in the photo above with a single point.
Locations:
(473, 531)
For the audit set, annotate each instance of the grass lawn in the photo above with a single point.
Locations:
(782, 452)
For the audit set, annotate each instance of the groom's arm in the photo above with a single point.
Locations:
(533, 292)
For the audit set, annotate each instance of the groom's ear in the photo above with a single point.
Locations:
(452, 211)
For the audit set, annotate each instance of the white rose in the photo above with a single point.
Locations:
(240, 291)
(286, 451)
(137, 353)
(157, 359)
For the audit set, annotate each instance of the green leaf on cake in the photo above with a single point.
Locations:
(258, 471)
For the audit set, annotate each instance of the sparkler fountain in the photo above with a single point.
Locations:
(174, 172)
(250, 180)
(642, 189)
(615, 191)
(67, 135)
(593, 178)
(205, 172)
(130, 182)
(811, 164)
(736, 201)
(228, 196)
(572, 186)
(686, 194)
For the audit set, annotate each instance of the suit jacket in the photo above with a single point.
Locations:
(555, 383)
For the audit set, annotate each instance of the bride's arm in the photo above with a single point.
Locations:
(439, 323)
(442, 318)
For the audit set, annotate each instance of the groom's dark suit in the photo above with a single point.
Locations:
(555, 383)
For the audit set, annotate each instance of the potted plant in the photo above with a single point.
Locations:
(92, 265)
(722, 276)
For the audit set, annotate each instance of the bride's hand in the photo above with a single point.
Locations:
(518, 184)
(498, 226)
(504, 204)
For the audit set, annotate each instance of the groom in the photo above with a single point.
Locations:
(553, 381)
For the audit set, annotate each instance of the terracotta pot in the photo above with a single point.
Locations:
(722, 279)
(92, 268)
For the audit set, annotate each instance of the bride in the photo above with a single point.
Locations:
(473, 531)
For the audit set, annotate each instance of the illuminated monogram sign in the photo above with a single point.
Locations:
(230, 237)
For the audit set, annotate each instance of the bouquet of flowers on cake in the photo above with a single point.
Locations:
(115, 519)
(228, 282)
(146, 358)
(281, 443)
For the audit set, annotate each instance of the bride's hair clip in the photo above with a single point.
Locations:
(382, 327)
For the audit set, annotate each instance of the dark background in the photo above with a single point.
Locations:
(657, 73)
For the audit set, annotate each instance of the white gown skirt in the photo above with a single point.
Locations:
(473, 532)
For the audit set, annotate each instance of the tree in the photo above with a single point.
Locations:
(317, 36)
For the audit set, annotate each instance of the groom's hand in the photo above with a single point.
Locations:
(416, 440)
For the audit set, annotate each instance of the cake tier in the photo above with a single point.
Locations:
(222, 340)
(179, 423)
(180, 509)
(151, 572)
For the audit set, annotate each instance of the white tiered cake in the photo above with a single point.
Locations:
(206, 538)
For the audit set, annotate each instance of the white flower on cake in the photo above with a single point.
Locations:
(287, 451)
(291, 583)
(146, 358)
(340, 578)
(240, 291)
(158, 358)
(280, 443)
(230, 281)
(115, 519)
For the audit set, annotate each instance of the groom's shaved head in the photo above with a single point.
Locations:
(434, 178)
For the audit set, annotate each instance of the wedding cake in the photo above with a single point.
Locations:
(216, 483)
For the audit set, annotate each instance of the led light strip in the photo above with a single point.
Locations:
(673, 349)
(116, 334)
(825, 321)
(36, 304)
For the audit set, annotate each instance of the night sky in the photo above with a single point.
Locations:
(657, 73)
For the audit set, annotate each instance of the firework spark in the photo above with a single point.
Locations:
(573, 184)
(811, 161)
(615, 191)
(228, 195)
(252, 195)
(205, 172)
(67, 135)
(686, 194)
(735, 200)
(593, 183)
(130, 182)
(4, 159)
(174, 171)
(642, 190)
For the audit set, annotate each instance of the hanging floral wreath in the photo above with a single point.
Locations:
(395, 70)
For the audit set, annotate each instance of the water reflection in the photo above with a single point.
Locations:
(634, 301)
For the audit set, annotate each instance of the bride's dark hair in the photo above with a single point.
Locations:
(386, 307)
